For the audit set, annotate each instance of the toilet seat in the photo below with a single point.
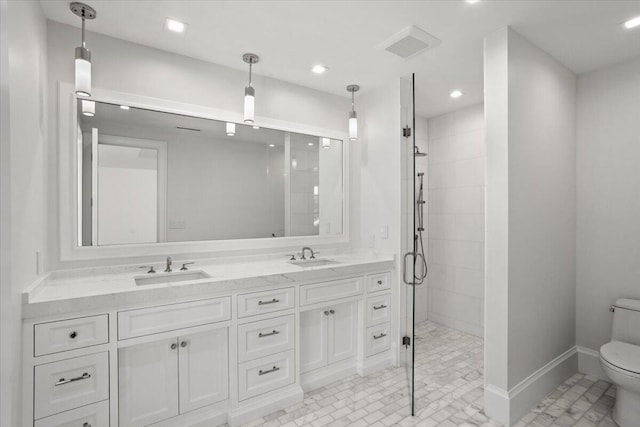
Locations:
(623, 356)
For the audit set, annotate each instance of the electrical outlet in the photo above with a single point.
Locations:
(372, 241)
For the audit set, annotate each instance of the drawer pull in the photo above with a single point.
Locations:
(62, 381)
(183, 344)
(73, 335)
(86, 425)
(274, 369)
(332, 311)
(268, 334)
(379, 307)
(273, 301)
(379, 282)
(377, 337)
(174, 346)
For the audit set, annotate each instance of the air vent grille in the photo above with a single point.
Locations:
(409, 42)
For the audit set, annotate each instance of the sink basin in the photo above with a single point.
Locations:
(182, 276)
(313, 262)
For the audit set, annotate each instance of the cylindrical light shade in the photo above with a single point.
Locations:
(231, 129)
(353, 126)
(88, 108)
(325, 142)
(83, 72)
(249, 104)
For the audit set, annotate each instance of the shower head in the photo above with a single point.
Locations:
(417, 153)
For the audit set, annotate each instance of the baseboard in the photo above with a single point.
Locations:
(589, 363)
(211, 415)
(323, 376)
(375, 363)
(252, 409)
(508, 407)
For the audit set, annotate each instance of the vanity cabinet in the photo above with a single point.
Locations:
(165, 378)
(328, 335)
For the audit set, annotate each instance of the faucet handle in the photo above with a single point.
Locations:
(151, 269)
(293, 257)
(184, 265)
(313, 255)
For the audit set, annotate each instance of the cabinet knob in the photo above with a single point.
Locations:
(326, 312)
(86, 425)
(73, 335)
(183, 344)
(174, 346)
(379, 282)
(332, 311)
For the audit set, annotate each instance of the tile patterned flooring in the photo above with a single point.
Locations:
(449, 392)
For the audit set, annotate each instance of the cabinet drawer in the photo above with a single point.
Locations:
(378, 309)
(377, 339)
(266, 374)
(54, 337)
(265, 302)
(146, 321)
(328, 291)
(70, 383)
(266, 337)
(96, 415)
(378, 282)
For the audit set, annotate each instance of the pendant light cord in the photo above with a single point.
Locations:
(353, 95)
(83, 43)
(250, 69)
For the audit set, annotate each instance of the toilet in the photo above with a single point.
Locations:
(620, 360)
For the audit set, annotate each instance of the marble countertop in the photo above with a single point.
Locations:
(111, 288)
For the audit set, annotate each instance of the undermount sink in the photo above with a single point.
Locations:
(182, 276)
(313, 262)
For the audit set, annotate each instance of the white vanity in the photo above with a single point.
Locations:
(100, 350)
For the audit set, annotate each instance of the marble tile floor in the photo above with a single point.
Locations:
(449, 392)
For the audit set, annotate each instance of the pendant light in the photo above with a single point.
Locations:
(83, 56)
(353, 117)
(88, 108)
(231, 129)
(249, 91)
(325, 142)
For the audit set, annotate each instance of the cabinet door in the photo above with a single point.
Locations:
(313, 339)
(341, 336)
(204, 369)
(148, 382)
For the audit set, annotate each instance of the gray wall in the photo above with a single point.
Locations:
(608, 197)
(23, 212)
(530, 110)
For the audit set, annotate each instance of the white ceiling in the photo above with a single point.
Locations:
(291, 36)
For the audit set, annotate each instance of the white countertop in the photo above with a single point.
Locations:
(114, 287)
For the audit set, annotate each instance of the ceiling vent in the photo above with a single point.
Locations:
(409, 42)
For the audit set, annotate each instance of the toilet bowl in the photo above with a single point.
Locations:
(621, 363)
(620, 360)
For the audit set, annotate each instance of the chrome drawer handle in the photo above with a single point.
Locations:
(273, 301)
(377, 337)
(274, 369)
(62, 381)
(379, 307)
(268, 334)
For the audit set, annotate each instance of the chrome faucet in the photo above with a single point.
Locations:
(306, 248)
(168, 269)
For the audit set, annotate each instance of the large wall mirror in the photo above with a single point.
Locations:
(148, 176)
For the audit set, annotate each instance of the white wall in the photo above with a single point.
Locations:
(530, 210)
(608, 198)
(22, 174)
(127, 67)
(457, 159)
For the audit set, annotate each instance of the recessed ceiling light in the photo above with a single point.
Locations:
(124, 107)
(455, 94)
(310, 144)
(175, 26)
(319, 69)
(272, 145)
(632, 23)
(473, 1)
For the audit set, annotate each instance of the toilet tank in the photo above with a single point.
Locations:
(626, 321)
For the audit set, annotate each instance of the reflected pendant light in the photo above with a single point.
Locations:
(353, 117)
(83, 56)
(325, 142)
(249, 91)
(231, 129)
(88, 108)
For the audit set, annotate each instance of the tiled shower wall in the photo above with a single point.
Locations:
(456, 183)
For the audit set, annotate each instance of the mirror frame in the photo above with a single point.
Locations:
(70, 175)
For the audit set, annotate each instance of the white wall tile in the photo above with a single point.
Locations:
(468, 172)
(442, 227)
(469, 227)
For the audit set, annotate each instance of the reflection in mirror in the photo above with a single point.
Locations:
(150, 176)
